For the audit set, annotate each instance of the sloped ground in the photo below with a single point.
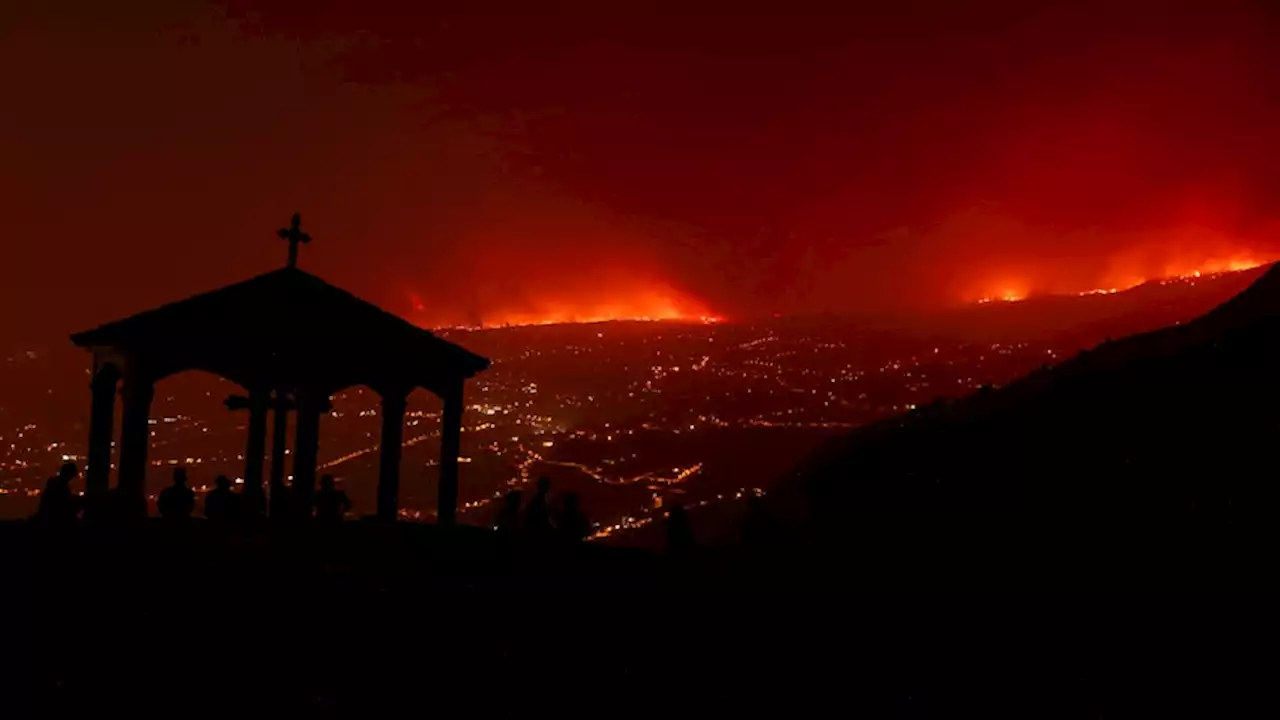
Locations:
(1151, 456)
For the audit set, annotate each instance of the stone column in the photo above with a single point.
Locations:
(393, 407)
(255, 449)
(450, 448)
(135, 440)
(97, 477)
(279, 442)
(306, 448)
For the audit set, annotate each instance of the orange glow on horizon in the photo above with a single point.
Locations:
(1008, 292)
(1005, 296)
(1213, 267)
(654, 304)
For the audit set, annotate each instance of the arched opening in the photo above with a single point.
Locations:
(191, 427)
(485, 476)
(350, 443)
(401, 480)
(382, 448)
(420, 476)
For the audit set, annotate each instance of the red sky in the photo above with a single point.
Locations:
(516, 157)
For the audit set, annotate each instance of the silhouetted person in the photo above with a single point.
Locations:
(331, 503)
(58, 504)
(537, 514)
(222, 504)
(573, 525)
(177, 501)
(679, 531)
(509, 516)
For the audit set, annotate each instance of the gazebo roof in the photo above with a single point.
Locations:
(285, 328)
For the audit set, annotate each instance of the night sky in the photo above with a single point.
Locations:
(615, 158)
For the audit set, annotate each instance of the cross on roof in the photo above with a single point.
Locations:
(294, 235)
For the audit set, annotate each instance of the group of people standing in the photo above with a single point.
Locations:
(221, 504)
(59, 504)
(224, 504)
(538, 520)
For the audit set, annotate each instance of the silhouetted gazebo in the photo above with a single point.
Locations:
(286, 333)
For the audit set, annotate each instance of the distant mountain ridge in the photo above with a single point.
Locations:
(1088, 318)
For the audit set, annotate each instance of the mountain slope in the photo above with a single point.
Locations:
(1173, 424)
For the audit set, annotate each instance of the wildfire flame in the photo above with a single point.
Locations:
(1015, 292)
(1004, 296)
(650, 305)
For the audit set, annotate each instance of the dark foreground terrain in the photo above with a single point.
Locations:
(412, 619)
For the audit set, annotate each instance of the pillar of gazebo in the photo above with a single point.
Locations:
(450, 448)
(393, 407)
(279, 444)
(135, 439)
(101, 417)
(255, 448)
(306, 448)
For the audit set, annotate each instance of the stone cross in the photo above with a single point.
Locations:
(294, 235)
